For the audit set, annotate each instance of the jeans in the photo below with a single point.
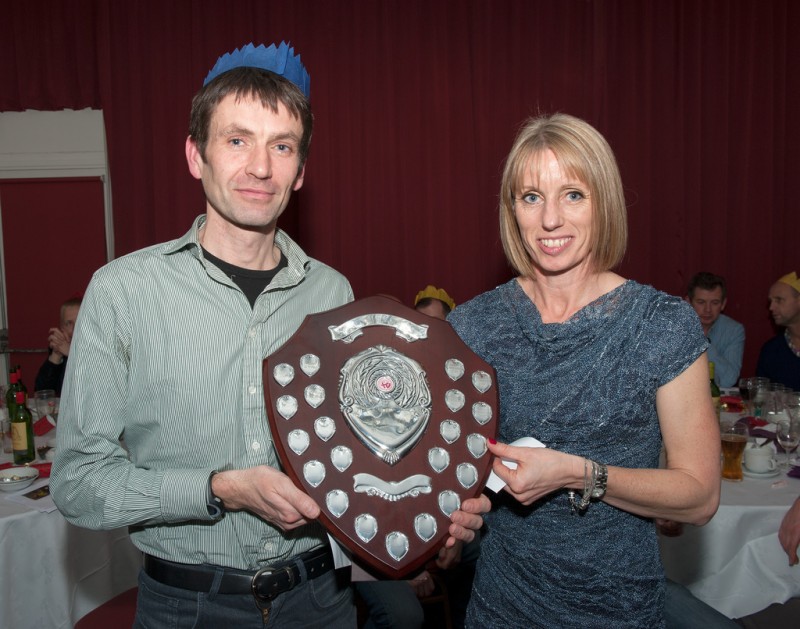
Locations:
(391, 605)
(324, 603)
(683, 610)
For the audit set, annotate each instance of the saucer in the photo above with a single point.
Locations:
(750, 474)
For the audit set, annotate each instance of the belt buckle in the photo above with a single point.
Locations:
(265, 602)
(266, 572)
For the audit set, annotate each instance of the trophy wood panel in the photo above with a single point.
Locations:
(441, 344)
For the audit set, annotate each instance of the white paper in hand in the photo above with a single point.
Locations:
(495, 483)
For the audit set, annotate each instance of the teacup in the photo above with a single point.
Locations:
(759, 460)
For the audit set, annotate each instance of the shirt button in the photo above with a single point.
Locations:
(252, 333)
(252, 389)
(256, 445)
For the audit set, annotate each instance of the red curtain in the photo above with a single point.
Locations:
(53, 240)
(416, 104)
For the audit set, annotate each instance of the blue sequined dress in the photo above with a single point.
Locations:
(588, 387)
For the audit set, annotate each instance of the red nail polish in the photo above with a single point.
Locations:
(493, 441)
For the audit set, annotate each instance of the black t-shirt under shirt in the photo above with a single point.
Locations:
(251, 282)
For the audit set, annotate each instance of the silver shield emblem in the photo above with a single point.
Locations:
(386, 401)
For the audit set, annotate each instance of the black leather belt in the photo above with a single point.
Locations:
(265, 585)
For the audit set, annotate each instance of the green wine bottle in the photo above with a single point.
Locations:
(20, 383)
(22, 432)
(11, 394)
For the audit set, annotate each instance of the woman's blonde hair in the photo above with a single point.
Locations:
(582, 153)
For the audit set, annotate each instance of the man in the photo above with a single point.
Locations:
(434, 302)
(51, 373)
(168, 355)
(779, 359)
(708, 296)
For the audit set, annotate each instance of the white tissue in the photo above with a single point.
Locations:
(495, 483)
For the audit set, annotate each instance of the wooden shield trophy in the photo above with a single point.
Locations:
(381, 414)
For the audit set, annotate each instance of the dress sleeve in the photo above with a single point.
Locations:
(677, 337)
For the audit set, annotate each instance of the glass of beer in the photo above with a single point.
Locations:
(734, 440)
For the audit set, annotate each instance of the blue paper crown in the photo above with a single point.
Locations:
(280, 60)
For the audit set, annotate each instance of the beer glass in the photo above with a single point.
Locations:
(734, 440)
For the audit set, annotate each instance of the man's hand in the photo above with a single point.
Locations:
(267, 493)
(466, 520)
(669, 528)
(422, 584)
(449, 557)
(789, 533)
(58, 341)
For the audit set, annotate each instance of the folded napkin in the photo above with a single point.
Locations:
(43, 425)
(754, 421)
(769, 435)
(762, 433)
(44, 468)
(732, 403)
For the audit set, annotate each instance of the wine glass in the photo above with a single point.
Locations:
(788, 435)
(5, 432)
(45, 402)
(791, 406)
(774, 408)
(744, 390)
(758, 392)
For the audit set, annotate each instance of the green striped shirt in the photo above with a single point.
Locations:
(168, 354)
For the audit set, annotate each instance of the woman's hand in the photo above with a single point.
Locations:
(539, 471)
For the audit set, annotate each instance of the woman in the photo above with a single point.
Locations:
(603, 371)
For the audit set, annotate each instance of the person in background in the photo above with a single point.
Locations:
(603, 371)
(51, 373)
(434, 302)
(779, 359)
(169, 351)
(708, 295)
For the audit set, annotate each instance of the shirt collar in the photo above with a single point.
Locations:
(295, 256)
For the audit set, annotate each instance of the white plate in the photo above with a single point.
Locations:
(22, 477)
(750, 474)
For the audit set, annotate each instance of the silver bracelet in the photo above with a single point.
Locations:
(594, 486)
(579, 505)
(600, 481)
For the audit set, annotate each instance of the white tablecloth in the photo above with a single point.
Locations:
(52, 573)
(735, 563)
